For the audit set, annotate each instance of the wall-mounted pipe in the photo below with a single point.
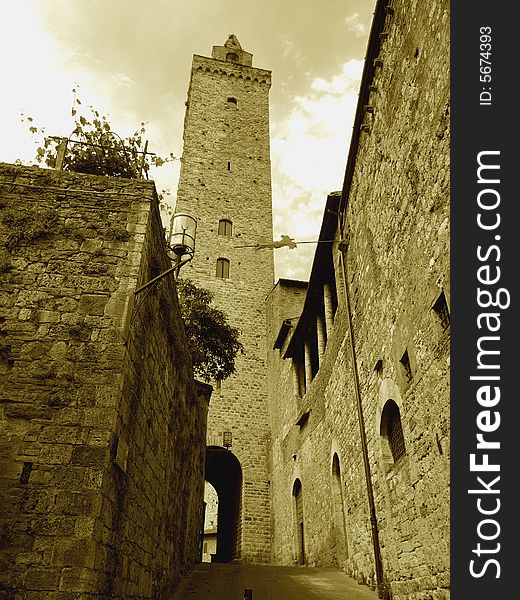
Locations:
(382, 590)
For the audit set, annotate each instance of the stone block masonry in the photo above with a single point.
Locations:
(395, 208)
(102, 426)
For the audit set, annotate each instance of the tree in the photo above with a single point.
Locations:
(214, 344)
(94, 148)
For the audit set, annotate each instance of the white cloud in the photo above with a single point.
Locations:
(354, 25)
(41, 74)
(309, 147)
(309, 152)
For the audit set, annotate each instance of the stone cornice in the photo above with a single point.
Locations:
(222, 67)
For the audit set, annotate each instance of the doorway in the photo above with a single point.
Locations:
(298, 511)
(224, 473)
(338, 508)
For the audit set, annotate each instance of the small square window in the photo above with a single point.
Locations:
(407, 368)
(440, 308)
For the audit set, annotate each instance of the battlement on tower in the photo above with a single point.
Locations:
(231, 69)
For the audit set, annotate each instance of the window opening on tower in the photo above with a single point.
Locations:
(223, 268)
(225, 227)
(233, 101)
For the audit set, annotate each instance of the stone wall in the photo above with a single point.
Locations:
(225, 174)
(397, 267)
(89, 377)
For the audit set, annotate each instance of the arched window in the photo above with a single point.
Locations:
(232, 56)
(223, 268)
(392, 431)
(232, 100)
(340, 534)
(298, 512)
(225, 227)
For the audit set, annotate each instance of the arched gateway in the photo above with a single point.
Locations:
(224, 472)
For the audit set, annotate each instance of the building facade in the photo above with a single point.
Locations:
(102, 426)
(225, 183)
(359, 380)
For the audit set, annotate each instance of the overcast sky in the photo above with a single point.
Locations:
(131, 60)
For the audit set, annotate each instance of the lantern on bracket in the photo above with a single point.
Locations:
(227, 439)
(181, 247)
(181, 242)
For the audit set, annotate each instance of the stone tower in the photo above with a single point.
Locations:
(225, 183)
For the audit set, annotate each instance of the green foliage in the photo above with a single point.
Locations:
(213, 342)
(100, 151)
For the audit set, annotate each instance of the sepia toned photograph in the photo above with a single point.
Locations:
(225, 300)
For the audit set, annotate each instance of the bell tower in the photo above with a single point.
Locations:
(225, 183)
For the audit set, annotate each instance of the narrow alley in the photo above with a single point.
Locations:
(229, 582)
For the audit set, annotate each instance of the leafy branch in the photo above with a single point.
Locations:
(93, 147)
(214, 344)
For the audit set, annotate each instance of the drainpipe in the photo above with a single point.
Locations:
(382, 591)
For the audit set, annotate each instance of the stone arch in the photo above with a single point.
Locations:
(389, 397)
(224, 473)
(299, 537)
(338, 512)
(391, 432)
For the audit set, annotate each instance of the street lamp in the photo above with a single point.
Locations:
(181, 242)
(181, 246)
(227, 439)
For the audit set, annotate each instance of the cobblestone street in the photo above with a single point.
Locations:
(228, 582)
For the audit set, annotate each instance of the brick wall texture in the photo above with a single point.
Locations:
(84, 373)
(225, 174)
(397, 265)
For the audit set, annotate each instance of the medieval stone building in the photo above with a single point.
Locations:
(359, 377)
(102, 427)
(357, 367)
(329, 446)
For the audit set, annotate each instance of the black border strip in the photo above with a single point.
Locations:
(484, 120)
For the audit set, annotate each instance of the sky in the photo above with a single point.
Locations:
(131, 61)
